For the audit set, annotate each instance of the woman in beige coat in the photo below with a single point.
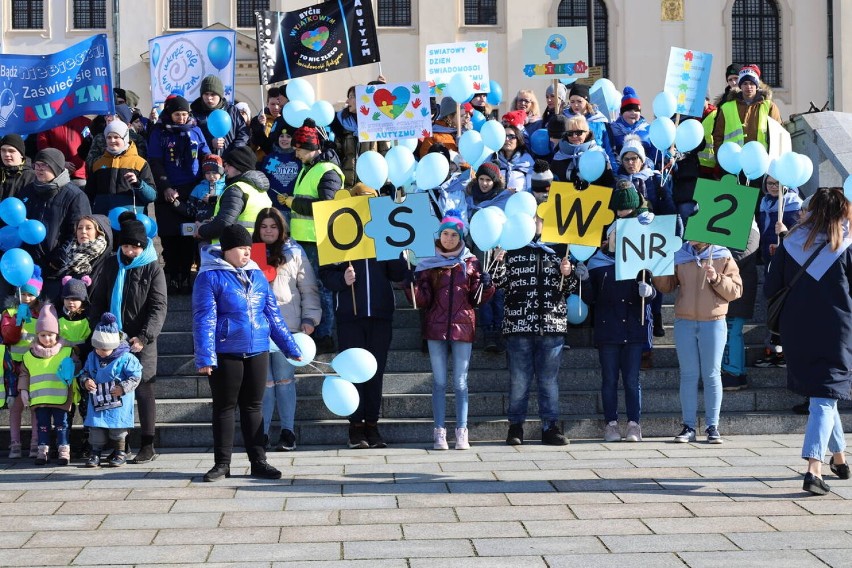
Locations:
(295, 287)
(706, 279)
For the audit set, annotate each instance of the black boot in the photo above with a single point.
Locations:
(146, 453)
(218, 472)
(659, 331)
(263, 470)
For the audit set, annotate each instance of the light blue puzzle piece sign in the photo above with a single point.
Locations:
(645, 247)
(396, 227)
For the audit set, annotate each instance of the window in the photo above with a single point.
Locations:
(27, 14)
(246, 10)
(574, 13)
(756, 37)
(184, 14)
(90, 14)
(480, 12)
(394, 13)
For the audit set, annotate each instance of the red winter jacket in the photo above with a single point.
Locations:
(67, 139)
(449, 296)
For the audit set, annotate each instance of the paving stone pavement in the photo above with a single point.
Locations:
(654, 504)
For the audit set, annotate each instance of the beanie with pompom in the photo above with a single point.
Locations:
(106, 335)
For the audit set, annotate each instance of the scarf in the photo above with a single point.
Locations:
(572, 152)
(769, 205)
(63, 179)
(600, 260)
(148, 256)
(537, 244)
(687, 253)
(794, 244)
(444, 258)
(638, 179)
(79, 257)
(123, 347)
(43, 352)
(348, 121)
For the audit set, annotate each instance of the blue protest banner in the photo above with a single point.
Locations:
(39, 92)
(649, 246)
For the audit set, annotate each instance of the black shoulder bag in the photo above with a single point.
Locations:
(776, 303)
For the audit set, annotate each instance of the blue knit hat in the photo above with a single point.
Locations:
(453, 220)
(35, 283)
(106, 335)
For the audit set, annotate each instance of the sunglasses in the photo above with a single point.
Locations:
(527, 101)
(511, 137)
(569, 133)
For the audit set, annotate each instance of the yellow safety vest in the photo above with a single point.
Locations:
(734, 127)
(302, 226)
(28, 334)
(45, 386)
(74, 332)
(707, 157)
(255, 202)
(2, 378)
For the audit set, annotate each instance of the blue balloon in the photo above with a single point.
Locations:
(355, 365)
(372, 169)
(754, 160)
(307, 347)
(592, 165)
(322, 112)
(301, 91)
(459, 87)
(729, 158)
(150, 224)
(495, 96)
(664, 105)
(688, 135)
(582, 252)
(486, 227)
(32, 231)
(540, 142)
(847, 190)
(477, 119)
(805, 168)
(219, 52)
(577, 309)
(16, 266)
(518, 231)
(12, 211)
(493, 135)
(295, 113)
(431, 171)
(113, 215)
(340, 397)
(471, 146)
(401, 165)
(662, 133)
(155, 54)
(219, 123)
(521, 203)
(9, 238)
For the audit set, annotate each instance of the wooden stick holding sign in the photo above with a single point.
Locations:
(642, 314)
(413, 297)
(705, 265)
(352, 288)
(781, 192)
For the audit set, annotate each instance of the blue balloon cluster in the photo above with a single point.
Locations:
(18, 228)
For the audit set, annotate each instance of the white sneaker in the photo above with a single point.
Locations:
(15, 450)
(634, 432)
(612, 433)
(461, 439)
(439, 435)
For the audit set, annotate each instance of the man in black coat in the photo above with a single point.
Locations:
(213, 98)
(15, 172)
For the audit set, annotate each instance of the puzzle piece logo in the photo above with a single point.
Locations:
(725, 213)
(576, 217)
(339, 226)
(645, 247)
(408, 225)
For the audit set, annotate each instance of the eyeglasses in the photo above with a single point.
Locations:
(511, 137)
(630, 159)
(773, 184)
(569, 133)
(39, 166)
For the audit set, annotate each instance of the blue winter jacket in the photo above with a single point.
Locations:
(121, 366)
(234, 311)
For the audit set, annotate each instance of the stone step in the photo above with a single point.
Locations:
(180, 342)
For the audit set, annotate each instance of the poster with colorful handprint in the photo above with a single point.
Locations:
(392, 111)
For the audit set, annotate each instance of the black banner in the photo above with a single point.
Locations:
(324, 37)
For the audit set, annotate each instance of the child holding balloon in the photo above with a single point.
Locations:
(449, 286)
(18, 329)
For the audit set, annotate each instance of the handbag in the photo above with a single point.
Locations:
(776, 302)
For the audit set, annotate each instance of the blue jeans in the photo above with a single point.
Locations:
(491, 312)
(280, 392)
(699, 347)
(733, 360)
(461, 361)
(626, 359)
(534, 356)
(44, 417)
(326, 299)
(824, 430)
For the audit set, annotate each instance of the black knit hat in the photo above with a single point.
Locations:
(242, 157)
(174, 104)
(542, 177)
(13, 140)
(557, 126)
(489, 169)
(234, 236)
(54, 159)
(132, 231)
(625, 196)
(732, 69)
(579, 90)
(306, 136)
(212, 84)
(73, 289)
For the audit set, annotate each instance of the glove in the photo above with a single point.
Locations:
(25, 398)
(486, 280)
(581, 271)
(66, 371)
(23, 315)
(645, 290)
(282, 199)
(288, 201)
(645, 217)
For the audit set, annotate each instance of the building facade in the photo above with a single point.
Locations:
(797, 43)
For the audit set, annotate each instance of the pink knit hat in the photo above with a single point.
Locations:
(47, 320)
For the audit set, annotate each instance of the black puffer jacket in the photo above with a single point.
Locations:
(232, 202)
(143, 310)
(14, 178)
(374, 296)
(239, 133)
(535, 292)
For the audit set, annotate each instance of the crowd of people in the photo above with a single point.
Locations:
(81, 335)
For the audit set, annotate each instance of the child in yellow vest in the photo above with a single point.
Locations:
(45, 384)
(18, 330)
(74, 329)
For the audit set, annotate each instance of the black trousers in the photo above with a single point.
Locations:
(146, 404)
(238, 381)
(374, 335)
(178, 256)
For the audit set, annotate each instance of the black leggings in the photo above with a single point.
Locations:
(238, 381)
(374, 335)
(146, 404)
